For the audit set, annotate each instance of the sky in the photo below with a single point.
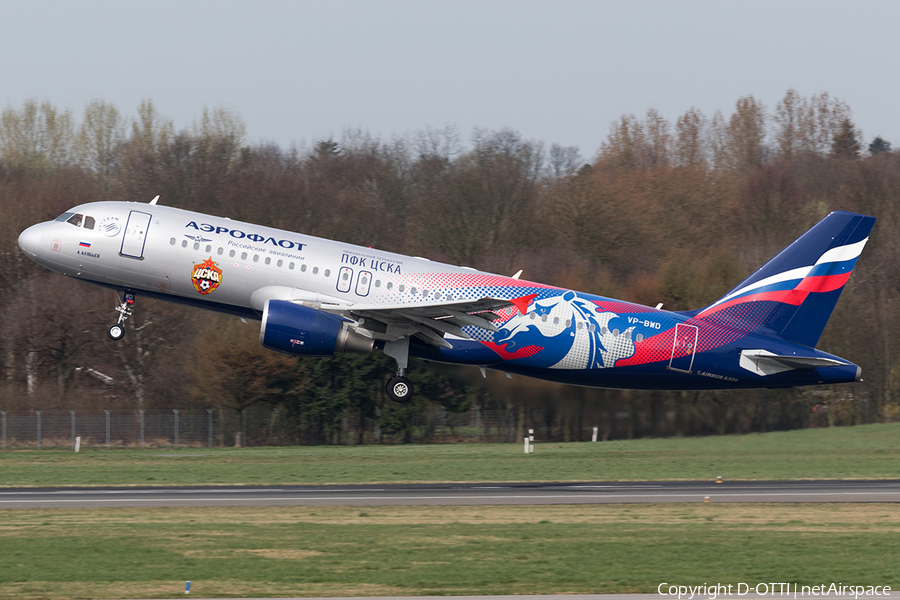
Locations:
(556, 71)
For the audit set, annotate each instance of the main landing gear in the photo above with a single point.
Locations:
(116, 331)
(399, 387)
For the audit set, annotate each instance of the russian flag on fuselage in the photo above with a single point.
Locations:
(794, 293)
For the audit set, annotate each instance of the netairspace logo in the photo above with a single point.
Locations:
(789, 590)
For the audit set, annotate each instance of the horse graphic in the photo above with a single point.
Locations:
(571, 333)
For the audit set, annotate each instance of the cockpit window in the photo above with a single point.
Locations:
(77, 219)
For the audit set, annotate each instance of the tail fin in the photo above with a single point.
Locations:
(794, 294)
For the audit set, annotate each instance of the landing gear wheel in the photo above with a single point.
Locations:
(399, 389)
(115, 332)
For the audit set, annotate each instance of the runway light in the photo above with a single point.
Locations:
(718, 479)
(706, 499)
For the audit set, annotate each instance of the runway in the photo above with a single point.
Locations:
(892, 595)
(456, 494)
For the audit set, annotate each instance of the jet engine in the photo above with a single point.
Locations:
(297, 329)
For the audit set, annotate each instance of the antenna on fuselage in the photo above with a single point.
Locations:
(153, 202)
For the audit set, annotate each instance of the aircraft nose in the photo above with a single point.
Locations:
(30, 240)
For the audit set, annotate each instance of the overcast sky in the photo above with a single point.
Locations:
(557, 71)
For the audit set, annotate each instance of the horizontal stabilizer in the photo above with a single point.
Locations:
(763, 362)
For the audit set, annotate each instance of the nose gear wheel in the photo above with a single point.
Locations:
(116, 331)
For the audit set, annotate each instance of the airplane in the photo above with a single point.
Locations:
(316, 297)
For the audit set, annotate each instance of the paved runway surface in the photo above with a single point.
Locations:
(457, 494)
(893, 595)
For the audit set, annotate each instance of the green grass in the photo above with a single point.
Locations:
(871, 451)
(285, 551)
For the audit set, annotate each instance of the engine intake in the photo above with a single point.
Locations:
(303, 331)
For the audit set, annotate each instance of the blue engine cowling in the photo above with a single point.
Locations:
(297, 329)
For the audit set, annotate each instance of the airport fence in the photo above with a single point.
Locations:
(263, 426)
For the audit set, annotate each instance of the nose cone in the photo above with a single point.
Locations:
(30, 240)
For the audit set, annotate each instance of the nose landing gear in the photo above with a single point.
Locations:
(116, 331)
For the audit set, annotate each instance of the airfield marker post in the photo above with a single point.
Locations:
(3, 414)
(38, 413)
(78, 444)
(526, 444)
(531, 441)
(107, 429)
(594, 435)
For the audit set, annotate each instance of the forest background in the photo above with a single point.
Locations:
(664, 212)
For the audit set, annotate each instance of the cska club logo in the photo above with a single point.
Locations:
(206, 276)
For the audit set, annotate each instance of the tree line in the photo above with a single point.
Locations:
(674, 212)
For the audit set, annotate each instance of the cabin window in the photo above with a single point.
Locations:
(377, 283)
(556, 320)
(184, 243)
(63, 217)
(544, 318)
(303, 268)
(256, 258)
(315, 270)
(532, 315)
(327, 272)
(345, 276)
(615, 333)
(390, 285)
(291, 266)
(76, 220)
(437, 295)
(268, 260)
(196, 245)
(231, 254)
(425, 293)
(639, 338)
(89, 222)
(568, 322)
(220, 251)
(172, 242)
(243, 256)
(402, 287)
(593, 328)
(412, 291)
(580, 325)
(279, 263)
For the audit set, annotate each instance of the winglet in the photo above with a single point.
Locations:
(518, 274)
(153, 202)
(523, 301)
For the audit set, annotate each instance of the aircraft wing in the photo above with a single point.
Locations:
(429, 322)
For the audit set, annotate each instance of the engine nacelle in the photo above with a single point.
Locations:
(297, 329)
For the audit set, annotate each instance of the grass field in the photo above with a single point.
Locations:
(871, 451)
(122, 553)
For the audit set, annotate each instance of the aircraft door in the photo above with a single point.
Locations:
(684, 347)
(135, 234)
(345, 279)
(363, 283)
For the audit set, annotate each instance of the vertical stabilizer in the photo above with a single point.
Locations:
(794, 294)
